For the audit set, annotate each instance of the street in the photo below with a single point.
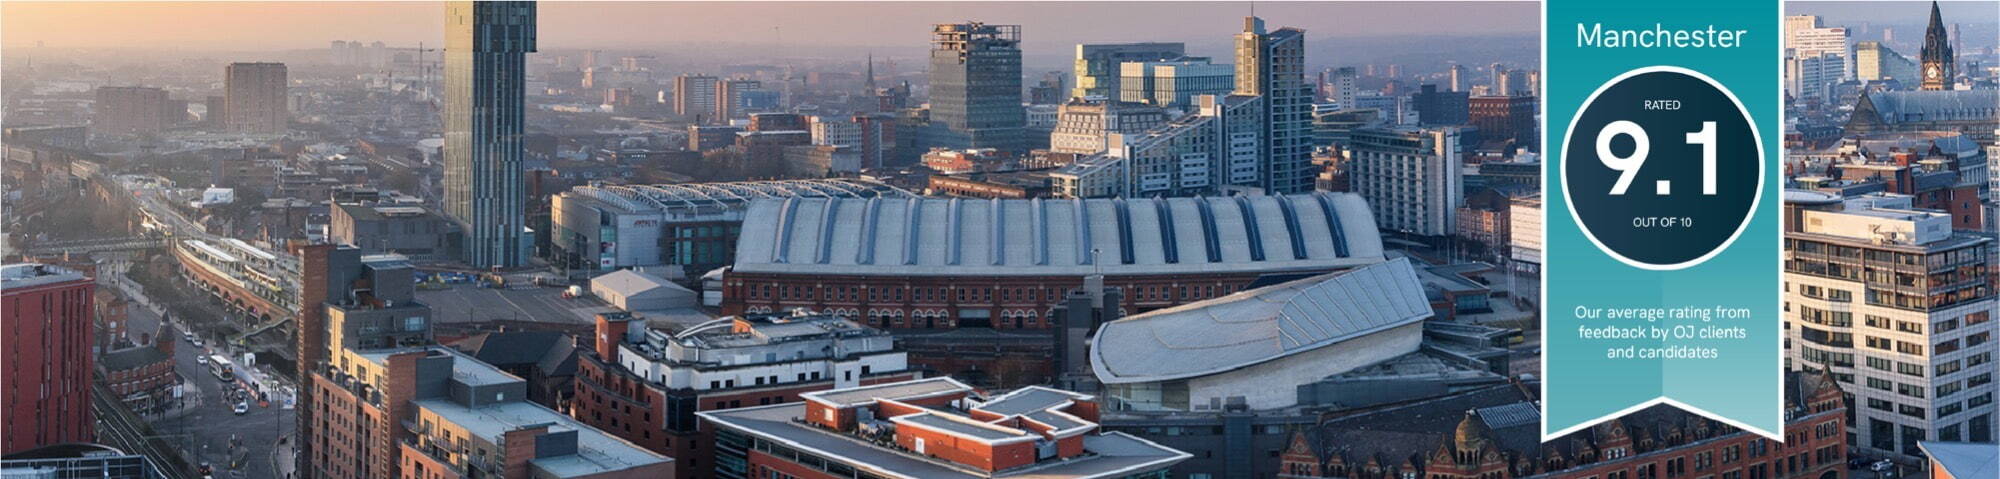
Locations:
(206, 424)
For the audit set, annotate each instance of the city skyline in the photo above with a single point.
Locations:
(306, 25)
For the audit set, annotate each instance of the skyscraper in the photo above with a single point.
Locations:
(254, 98)
(486, 47)
(1097, 65)
(1937, 56)
(976, 87)
(1457, 78)
(733, 97)
(1272, 65)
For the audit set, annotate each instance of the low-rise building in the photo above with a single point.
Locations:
(382, 228)
(646, 385)
(604, 227)
(935, 429)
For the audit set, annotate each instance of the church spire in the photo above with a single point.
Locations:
(871, 72)
(1937, 58)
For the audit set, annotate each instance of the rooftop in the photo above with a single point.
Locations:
(1258, 325)
(670, 197)
(940, 236)
(31, 274)
(596, 452)
(1964, 460)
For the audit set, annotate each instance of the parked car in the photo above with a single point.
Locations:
(1882, 465)
(242, 407)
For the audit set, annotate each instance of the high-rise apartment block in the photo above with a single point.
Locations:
(47, 337)
(254, 98)
(134, 109)
(735, 98)
(1899, 307)
(1272, 65)
(695, 95)
(486, 47)
(976, 87)
(1412, 177)
(1099, 66)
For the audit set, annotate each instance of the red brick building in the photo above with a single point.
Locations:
(47, 340)
(143, 375)
(1497, 437)
(1005, 263)
(931, 428)
(653, 383)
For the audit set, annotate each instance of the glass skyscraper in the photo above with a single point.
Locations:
(976, 87)
(486, 47)
(1272, 65)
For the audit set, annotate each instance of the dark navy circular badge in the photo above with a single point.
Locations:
(1661, 168)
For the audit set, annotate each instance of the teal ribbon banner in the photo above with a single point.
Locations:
(1696, 331)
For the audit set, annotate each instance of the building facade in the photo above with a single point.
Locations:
(975, 75)
(1272, 65)
(1413, 177)
(255, 99)
(1173, 83)
(600, 228)
(1099, 67)
(931, 428)
(646, 385)
(48, 339)
(486, 51)
(134, 109)
(1084, 127)
(695, 96)
(1898, 308)
(1505, 117)
(947, 263)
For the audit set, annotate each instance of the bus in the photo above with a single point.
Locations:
(219, 365)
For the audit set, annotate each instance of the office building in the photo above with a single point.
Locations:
(1173, 83)
(1272, 65)
(1099, 66)
(255, 99)
(932, 428)
(1897, 307)
(695, 96)
(1440, 108)
(1875, 62)
(382, 400)
(1812, 78)
(1343, 90)
(835, 131)
(1412, 177)
(1084, 127)
(377, 228)
(1494, 432)
(975, 75)
(1816, 56)
(694, 225)
(134, 109)
(1524, 217)
(737, 98)
(1457, 81)
(710, 137)
(646, 385)
(486, 47)
(1002, 263)
(1939, 62)
(1504, 118)
(49, 361)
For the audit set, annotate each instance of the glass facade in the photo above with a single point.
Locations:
(486, 49)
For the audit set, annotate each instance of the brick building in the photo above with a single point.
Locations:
(947, 263)
(47, 341)
(143, 375)
(1494, 433)
(646, 385)
(931, 428)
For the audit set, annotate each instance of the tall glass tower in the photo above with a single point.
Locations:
(486, 47)
(976, 87)
(1272, 65)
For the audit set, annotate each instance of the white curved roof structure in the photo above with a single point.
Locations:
(1026, 237)
(1254, 326)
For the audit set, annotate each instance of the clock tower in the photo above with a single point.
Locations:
(1937, 55)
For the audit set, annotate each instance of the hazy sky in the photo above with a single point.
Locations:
(249, 26)
(1897, 12)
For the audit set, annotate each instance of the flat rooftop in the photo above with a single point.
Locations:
(1112, 454)
(865, 395)
(596, 452)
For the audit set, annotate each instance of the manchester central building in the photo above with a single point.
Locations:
(1005, 263)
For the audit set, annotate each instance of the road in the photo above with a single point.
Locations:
(208, 424)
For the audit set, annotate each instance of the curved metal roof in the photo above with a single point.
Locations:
(953, 236)
(1258, 325)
